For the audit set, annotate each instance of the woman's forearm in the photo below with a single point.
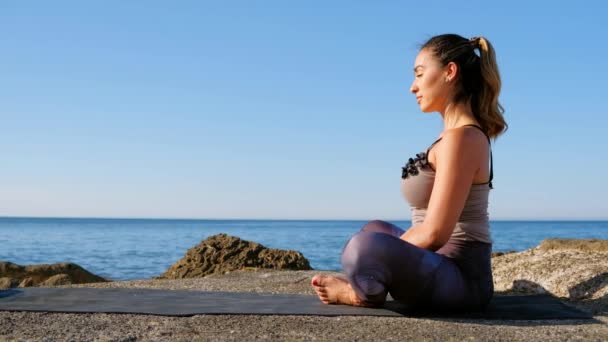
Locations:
(417, 235)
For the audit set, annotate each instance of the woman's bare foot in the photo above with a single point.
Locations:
(335, 290)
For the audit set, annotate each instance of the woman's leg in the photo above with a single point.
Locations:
(376, 263)
(337, 290)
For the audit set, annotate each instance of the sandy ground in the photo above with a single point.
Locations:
(26, 326)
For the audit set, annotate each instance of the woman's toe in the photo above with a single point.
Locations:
(316, 280)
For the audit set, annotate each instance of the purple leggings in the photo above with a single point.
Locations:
(457, 276)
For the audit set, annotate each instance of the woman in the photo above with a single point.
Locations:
(443, 260)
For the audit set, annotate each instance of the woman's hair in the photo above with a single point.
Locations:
(478, 80)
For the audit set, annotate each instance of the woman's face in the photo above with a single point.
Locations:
(430, 85)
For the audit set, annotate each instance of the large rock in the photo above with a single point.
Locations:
(57, 279)
(6, 283)
(568, 268)
(27, 282)
(223, 253)
(46, 274)
(588, 245)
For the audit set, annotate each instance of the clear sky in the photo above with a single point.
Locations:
(284, 109)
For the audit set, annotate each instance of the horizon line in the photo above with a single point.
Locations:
(273, 219)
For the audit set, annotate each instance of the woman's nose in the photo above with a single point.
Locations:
(414, 88)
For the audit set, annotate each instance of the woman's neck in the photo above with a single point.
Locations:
(457, 115)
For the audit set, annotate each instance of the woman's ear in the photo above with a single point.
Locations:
(451, 71)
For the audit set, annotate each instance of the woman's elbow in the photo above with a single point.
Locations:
(438, 239)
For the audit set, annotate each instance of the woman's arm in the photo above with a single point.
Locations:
(457, 160)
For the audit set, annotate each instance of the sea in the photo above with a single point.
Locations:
(127, 249)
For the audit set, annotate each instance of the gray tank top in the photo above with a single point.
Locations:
(417, 180)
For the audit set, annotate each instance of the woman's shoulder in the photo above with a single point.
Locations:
(460, 141)
(464, 132)
(463, 135)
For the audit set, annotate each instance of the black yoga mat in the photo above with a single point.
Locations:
(188, 303)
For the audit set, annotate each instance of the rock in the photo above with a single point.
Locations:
(27, 282)
(572, 269)
(497, 254)
(33, 275)
(223, 253)
(58, 279)
(590, 245)
(6, 283)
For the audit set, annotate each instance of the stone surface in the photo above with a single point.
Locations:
(128, 327)
(26, 282)
(582, 245)
(575, 270)
(34, 275)
(497, 254)
(6, 282)
(223, 253)
(58, 279)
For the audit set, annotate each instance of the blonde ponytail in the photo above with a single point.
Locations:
(488, 110)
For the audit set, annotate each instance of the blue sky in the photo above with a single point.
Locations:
(278, 109)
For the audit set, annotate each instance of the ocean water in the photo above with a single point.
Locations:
(123, 249)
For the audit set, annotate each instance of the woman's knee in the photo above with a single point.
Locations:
(354, 248)
(379, 226)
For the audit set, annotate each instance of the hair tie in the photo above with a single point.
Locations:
(475, 41)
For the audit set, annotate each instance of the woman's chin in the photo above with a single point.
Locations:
(425, 109)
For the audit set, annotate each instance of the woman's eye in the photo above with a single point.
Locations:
(419, 75)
